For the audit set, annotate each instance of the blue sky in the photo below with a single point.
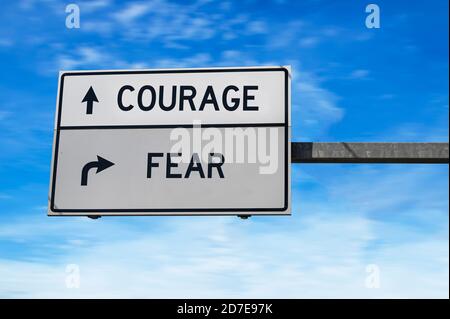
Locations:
(349, 83)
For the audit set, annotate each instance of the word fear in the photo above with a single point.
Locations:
(194, 167)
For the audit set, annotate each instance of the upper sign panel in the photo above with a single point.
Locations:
(174, 97)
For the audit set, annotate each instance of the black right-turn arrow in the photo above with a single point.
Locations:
(101, 164)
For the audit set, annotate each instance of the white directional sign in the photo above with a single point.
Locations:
(172, 142)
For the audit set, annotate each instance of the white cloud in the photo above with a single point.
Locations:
(320, 252)
(238, 58)
(172, 23)
(133, 11)
(94, 58)
(359, 74)
(320, 256)
(309, 42)
(197, 60)
(166, 21)
(214, 259)
(287, 35)
(84, 56)
(317, 107)
(257, 27)
(93, 5)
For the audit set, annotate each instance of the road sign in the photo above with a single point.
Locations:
(172, 142)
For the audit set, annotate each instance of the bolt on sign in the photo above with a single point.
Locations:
(172, 142)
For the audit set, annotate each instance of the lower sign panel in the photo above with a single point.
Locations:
(161, 171)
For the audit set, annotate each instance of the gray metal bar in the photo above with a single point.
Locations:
(342, 152)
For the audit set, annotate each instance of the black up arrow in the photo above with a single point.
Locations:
(89, 98)
(101, 164)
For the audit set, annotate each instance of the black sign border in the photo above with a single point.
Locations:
(174, 211)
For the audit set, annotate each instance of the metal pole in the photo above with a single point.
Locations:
(342, 152)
